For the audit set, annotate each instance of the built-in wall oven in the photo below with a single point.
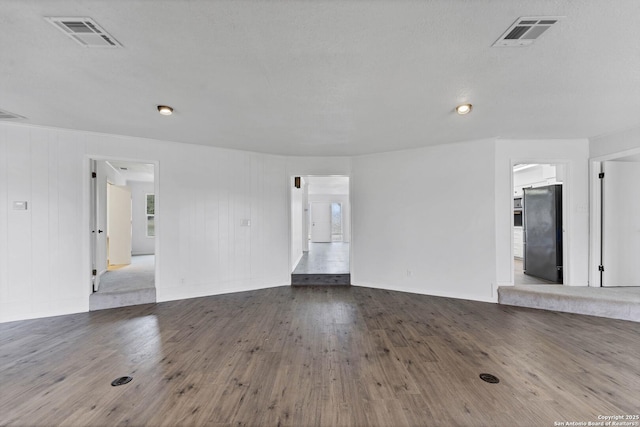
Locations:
(517, 212)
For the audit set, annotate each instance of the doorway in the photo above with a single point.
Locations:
(320, 230)
(123, 233)
(538, 223)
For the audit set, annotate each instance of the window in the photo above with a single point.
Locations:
(151, 214)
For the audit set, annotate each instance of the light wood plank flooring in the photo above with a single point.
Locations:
(318, 356)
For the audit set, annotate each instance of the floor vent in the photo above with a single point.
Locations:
(489, 378)
(85, 31)
(121, 381)
(525, 31)
(5, 115)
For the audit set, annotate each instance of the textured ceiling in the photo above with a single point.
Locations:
(324, 77)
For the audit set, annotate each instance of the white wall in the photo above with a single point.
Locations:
(428, 211)
(343, 199)
(205, 194)
(442, 213)
(140, 243)
(41, 248)
(615, 143)
(574, 155)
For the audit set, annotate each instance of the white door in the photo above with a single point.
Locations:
(320, 222)
(119, 224)
(621, 224)
(99, 183)
(93, 209)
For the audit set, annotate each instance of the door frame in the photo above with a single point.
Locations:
(595, 214)
(290, 180)
(87, 212)
(566, 214)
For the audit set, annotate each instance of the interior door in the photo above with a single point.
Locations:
(621, 224)
(119, 224)
(99, 220)
(320, 222)
(93, 209)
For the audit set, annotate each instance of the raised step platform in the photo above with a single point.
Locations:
(614, 303)
(321, 279)
(104, 300)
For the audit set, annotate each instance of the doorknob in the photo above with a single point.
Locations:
(99, 231)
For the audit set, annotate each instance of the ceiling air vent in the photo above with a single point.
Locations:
(85, 31)
(525, 31)
(5, 115)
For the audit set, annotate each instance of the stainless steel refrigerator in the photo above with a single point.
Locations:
(543, 232)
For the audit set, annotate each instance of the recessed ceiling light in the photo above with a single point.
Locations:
(165, 110)
(464, 109)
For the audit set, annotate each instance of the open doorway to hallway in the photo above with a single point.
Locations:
(123, 233)
(320, 230)
(538, 223)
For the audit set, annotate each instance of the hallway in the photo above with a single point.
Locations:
(324, 258)
(324, 264)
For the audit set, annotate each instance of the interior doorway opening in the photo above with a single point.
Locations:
(320, 230)
(123, 233)
(539, 221)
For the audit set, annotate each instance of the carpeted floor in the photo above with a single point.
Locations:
(122, 286)
(615, 303)
(140, 274)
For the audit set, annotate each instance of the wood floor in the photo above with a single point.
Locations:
(318, 356)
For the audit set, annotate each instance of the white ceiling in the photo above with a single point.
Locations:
(324, 77)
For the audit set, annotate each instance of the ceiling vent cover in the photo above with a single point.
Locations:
(526, 30)
(84, 31)
(5, 115)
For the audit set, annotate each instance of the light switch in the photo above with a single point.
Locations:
(245, 223)
(19, 206)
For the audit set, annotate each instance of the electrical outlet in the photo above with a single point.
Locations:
(409, 273)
